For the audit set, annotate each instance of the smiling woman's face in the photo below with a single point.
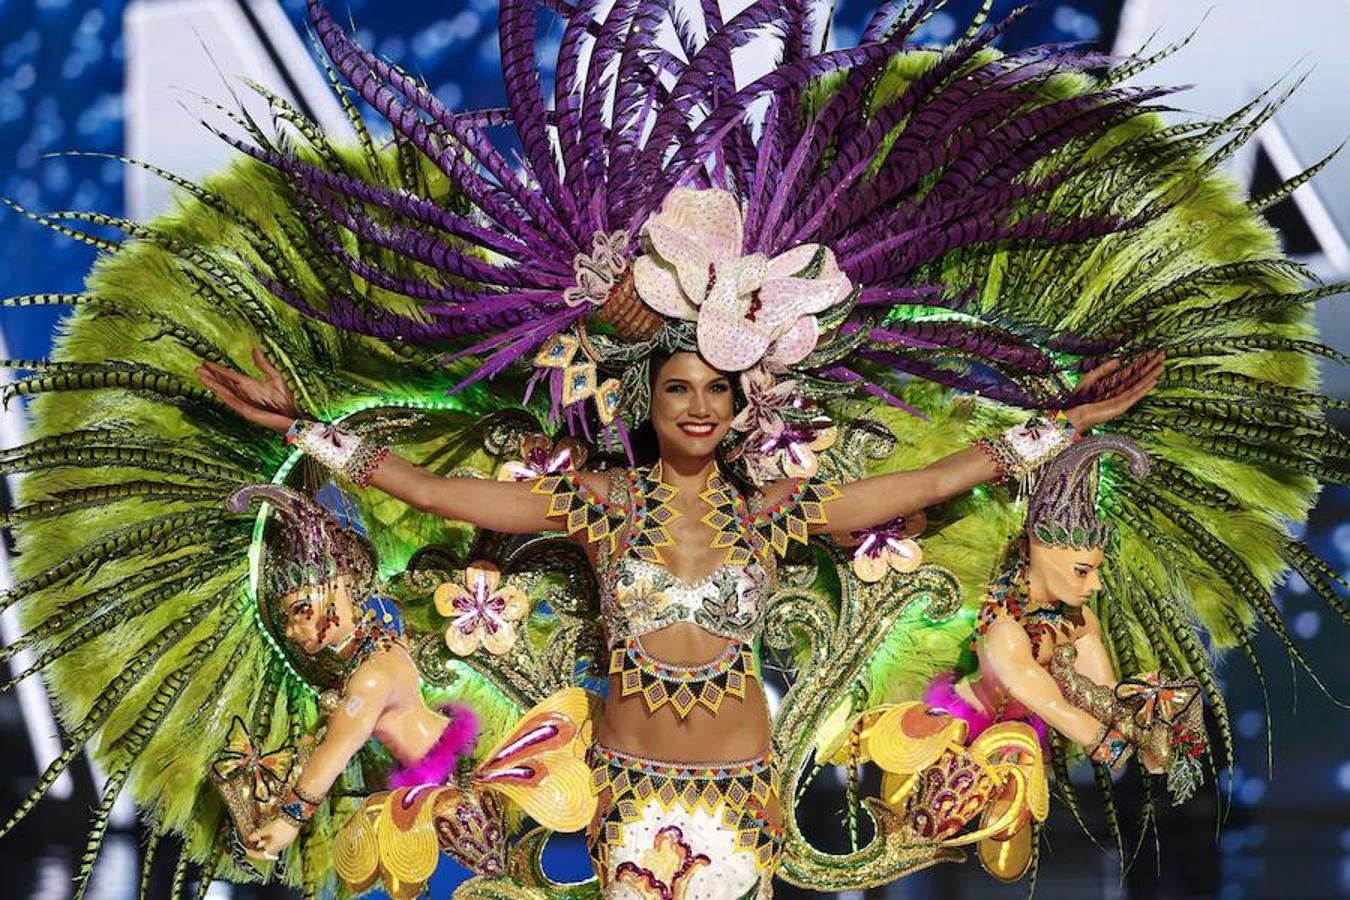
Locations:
(691, 407)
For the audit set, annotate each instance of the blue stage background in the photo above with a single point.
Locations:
(1284, 835)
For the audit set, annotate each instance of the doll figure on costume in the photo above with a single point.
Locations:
(317, 577)
(1038, 644)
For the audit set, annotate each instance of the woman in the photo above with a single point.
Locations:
(686, 562)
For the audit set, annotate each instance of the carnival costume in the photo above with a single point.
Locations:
(908, 248)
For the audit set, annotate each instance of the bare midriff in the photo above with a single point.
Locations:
(738, 730)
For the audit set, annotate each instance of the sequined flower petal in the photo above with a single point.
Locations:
(905, 558)
(462, 643)
(713, 215)
(870, 569)
(660, 289)
(499, 640)
(692, 262)
(515, 604)
(795, 344)
(799, 462)
(448, 598)
(728, 341)
(825, 438)
(486, 571)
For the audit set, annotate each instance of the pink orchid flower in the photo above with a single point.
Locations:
(748, 308)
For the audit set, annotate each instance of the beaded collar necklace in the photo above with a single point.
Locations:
(654, 511)
(1009, 595)
(369, 640)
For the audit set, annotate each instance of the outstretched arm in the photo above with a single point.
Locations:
(871, 501)
(496, 505)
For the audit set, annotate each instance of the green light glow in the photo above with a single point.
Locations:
(255, 548)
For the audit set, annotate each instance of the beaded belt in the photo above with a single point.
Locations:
(683, 687)
(737, 792)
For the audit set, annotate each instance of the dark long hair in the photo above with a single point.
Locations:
(646, 448)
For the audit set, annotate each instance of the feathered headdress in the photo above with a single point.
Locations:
(652, 219)
(305, 544)
(1062, 511)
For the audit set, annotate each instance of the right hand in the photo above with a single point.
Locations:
(265, 401)
(273, 837)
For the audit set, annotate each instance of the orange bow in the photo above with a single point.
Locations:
(1165, 701)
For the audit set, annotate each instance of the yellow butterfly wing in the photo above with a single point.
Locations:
(541, 763)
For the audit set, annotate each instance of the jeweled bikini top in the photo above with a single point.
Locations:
(639, 594)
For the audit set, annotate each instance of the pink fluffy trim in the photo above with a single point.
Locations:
(941, 694)
(438, 766)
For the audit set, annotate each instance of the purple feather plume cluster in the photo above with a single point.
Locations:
(893, 185)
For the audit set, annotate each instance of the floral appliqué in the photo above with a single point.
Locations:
(748, 308)
(666, 868)
(540, 456)
(482, 610)
(775, 447)
(887, 547)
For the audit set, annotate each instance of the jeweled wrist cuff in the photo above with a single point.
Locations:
(296, 808)
(1021, 450)
(341, 452)
(1111, 748)
(303, 797)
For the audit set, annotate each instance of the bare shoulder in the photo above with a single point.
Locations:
(1006, 631)
(380, 672)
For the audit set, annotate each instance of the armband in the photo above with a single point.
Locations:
(349, 455)
(297, 808)
(1111, 748)
(1021, 450)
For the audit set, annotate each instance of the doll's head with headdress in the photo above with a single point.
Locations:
(1066, 539)
(315, 573)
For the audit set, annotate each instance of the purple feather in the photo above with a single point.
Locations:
(983, 383)
(841, 373)
(516, 30)
(362, 70)
(728, 114)
(608, 44)
(982, 341)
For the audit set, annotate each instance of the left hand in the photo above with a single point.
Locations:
(1114, 388)
(274, 836)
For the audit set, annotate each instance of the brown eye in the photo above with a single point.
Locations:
(721, 387)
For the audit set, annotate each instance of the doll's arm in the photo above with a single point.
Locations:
(1005, 651)
(349, 727)
(1094, 663)
(1093, 660)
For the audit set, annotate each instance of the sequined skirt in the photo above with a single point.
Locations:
(687, 830)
